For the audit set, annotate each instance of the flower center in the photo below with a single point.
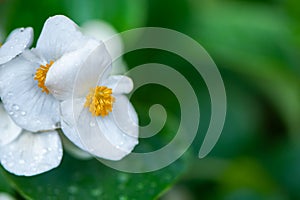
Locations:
(100, 101)
(40, 76)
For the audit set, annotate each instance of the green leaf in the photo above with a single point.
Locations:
(4, 185)
(78, 179)
(255, 42)
(122, 14)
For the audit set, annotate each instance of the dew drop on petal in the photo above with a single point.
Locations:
(21, 161)
(92, 124)
(23, 113)
(44, 151)
(15, 107)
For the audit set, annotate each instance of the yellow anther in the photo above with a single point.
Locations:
(40, 76)
(100, 101)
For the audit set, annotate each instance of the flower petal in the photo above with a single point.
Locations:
(119, 84)
(60, 35)
(107, 140)
(70, 110)
(8, 129)
(24, 101)
(78, 71)
(103, 31)
(75, 151)
(32, 153)
(17, 41)
(122, 124)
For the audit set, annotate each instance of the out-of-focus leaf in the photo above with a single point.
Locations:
(254, 41)
(283, 164)
(4, 185)
(122, 14)
(245, 178)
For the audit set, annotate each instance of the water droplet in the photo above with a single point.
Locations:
(123, 198)
(56, 191)
(96, 192)
(21, 161)
(23, 113)
(73, 189)
(49, 149)
(92, 124)
(140, 186)
(153, 184)
(123, 178)
(10, 112)
(11, 164)
(44, 151)
(9, 94)
(15, 107)
(16, 115)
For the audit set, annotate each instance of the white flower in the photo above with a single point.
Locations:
(17, 41)
(96, 115)
(22, 88)
(105, 32)
(26, 153)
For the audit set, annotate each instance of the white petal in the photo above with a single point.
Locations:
(8, 129)
(32, 153)
(70, 110)
(111, 137)
(78, 71)
(60, 35)
(16, 42)
(122, 124)
(74, 150)
(106, 142)
(24, 101)
(105, 32)
(119, 84)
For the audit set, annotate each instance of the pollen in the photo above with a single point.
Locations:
(100, 101)
(40, 76)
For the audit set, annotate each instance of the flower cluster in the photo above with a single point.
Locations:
(64, 83)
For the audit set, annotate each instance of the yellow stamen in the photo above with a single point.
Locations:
(40, 76)
(100, 101)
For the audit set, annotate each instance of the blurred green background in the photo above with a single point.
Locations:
(256, 46)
